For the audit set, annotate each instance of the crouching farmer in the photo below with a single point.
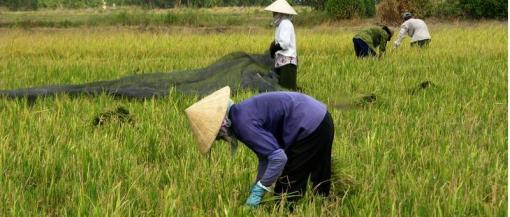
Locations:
(367, 40)
(416, 29)
(291, 134)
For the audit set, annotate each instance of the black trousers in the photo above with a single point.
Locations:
(362, 49)
(309, 157)
(287, 76)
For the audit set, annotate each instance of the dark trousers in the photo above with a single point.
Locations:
(309, 157)
(362, 49)
(287, 76)
(421, 43)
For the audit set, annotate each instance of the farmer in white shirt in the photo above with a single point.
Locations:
(283, 48)
(416, 29)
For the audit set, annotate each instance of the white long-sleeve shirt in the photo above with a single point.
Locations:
(285, 36)
(415, 28)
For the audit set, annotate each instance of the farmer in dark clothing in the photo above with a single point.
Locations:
(366, 41)
(291, 134)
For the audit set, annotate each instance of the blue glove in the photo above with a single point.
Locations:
(256, 195)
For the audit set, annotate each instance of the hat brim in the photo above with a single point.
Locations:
(281, 6)
(205, 117)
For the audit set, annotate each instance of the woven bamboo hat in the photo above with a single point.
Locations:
(206, 115)
(281, 6)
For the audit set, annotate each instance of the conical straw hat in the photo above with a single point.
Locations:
(206, 115)
(281, 6)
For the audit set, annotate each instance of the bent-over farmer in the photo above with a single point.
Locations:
(416, 29)
(291, 134)
(283, 48)
(367, 40)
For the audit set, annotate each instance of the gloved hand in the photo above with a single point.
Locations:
(273, 48)
(256, 195)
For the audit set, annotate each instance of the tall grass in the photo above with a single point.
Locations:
(438, 152)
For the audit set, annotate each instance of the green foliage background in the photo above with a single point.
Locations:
(345, 9)
(337, 9)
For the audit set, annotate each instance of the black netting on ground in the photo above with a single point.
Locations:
(237, 70)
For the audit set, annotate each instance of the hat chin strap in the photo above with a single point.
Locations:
(232, 140)
(226, 131)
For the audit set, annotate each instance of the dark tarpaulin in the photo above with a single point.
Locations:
(237, 70)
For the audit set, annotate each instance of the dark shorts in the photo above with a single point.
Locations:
(421, 43)
(362, 49)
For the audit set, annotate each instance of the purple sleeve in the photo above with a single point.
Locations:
(262, 142)
(262, 167)
(275, 164)
(272, 158)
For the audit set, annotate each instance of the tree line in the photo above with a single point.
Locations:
(336, 9)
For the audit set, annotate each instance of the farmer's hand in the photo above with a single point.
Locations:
(273, 48)
(256, 195)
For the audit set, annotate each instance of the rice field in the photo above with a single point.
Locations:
(440, 151)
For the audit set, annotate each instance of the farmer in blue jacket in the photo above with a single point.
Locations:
(291, 134)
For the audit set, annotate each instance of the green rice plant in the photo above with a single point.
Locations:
(437, 151)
